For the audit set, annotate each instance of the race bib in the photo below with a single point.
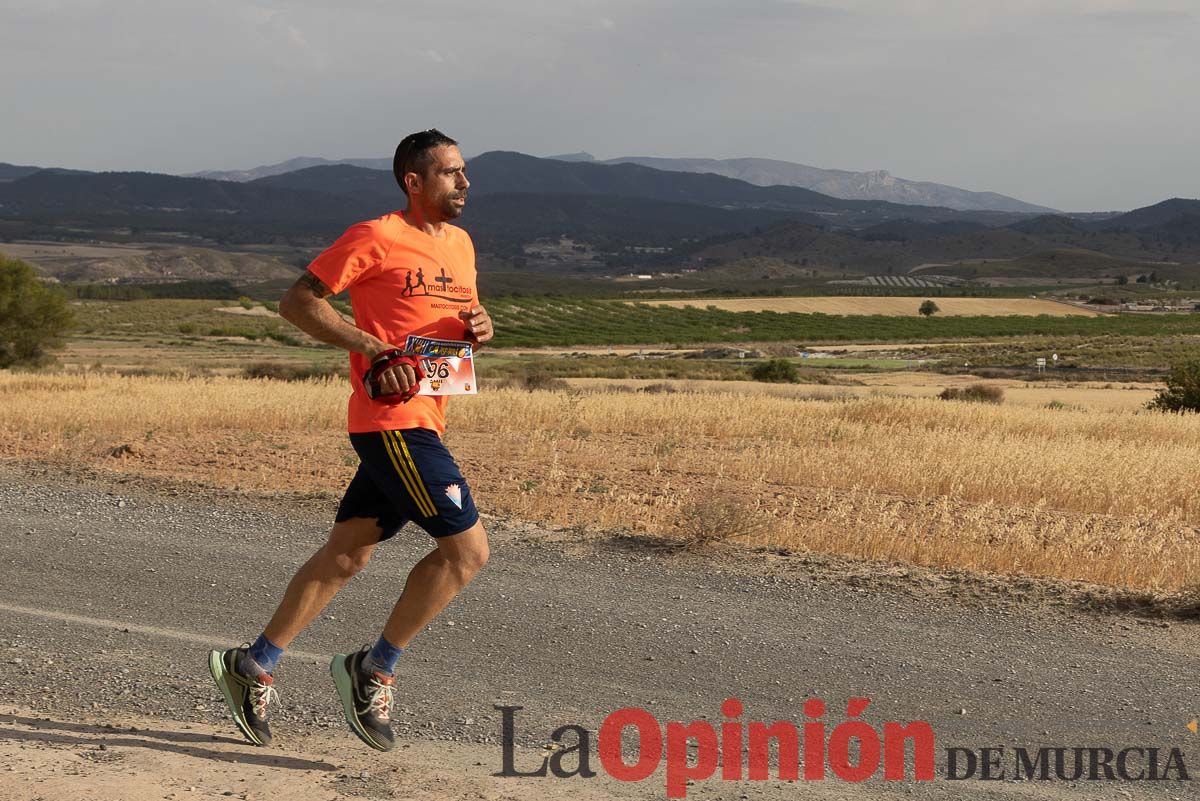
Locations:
(449, 368)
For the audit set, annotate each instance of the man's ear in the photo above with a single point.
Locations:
(412, 182)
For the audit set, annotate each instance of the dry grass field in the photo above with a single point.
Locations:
(1103, 496)
(892, 307)
(1084, 396)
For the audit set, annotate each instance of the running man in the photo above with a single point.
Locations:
(406, 473)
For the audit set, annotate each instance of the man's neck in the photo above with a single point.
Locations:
(417, 219)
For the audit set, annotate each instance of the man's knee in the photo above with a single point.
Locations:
(349, 564)
(472, 560)
(350, 546)
(468, 552)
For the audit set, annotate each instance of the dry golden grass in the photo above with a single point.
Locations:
(1102, 496)
(1128, 397)
(890, 306)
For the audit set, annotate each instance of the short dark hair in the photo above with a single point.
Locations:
(412, 154)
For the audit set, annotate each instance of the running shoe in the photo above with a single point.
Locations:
(247, 696)
(366, 699)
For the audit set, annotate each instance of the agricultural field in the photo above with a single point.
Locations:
(1098, 495)
(563, 322)
(578, 338)
(888, 306)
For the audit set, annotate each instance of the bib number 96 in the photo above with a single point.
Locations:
(435, 369)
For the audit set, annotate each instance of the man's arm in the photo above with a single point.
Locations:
(305, 306)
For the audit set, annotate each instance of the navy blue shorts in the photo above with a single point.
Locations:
(408, 475)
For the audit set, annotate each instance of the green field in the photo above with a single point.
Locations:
(569, 322)
(165, 335)
(562, 322)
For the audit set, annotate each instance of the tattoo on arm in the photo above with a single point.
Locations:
(313, 285)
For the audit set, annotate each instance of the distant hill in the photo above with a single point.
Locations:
(115, 192)
(1158, 214)
(1050, 225)
(873, 185)
(501, 222)
(1050, 265)
(291, 165)
(502, 171)
(47, 204)
(153, 264)
(909, 230)
(338, 179)
(11, 172)
(1169, 235)
(580, 156)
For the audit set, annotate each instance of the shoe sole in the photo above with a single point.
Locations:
(216, 666)
(345, 691)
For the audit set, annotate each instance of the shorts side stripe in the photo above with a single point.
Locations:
(416, 474)
(394, 455)
(406, 474)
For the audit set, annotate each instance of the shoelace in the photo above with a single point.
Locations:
(380, 698)
(260, 696)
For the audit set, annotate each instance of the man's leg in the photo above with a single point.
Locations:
(244, 675)
(347, 551)
(434, 581)
(364, 679)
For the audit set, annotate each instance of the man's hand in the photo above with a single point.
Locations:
(393, 377)
(478, 323)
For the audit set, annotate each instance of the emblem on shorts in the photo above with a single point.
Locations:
(454, 493)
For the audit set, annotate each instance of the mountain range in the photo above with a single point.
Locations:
(291, 165)
(872, 185)
(1163, 238)
(631, 215)
(843, 184)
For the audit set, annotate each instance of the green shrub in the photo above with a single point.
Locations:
(775, 371)
(928, 309)
(1182, 393)
(33, 316)
(976, 393)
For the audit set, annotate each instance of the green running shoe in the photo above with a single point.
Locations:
(366, 700)
(247, 696)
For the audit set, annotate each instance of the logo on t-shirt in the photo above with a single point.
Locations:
(441, 285)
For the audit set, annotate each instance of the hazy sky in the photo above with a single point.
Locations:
(1076, 104)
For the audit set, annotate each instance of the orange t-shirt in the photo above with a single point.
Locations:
(402, 281)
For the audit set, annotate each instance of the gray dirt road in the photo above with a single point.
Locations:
(111, 594)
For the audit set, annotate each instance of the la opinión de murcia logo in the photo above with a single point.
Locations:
(853, 750)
